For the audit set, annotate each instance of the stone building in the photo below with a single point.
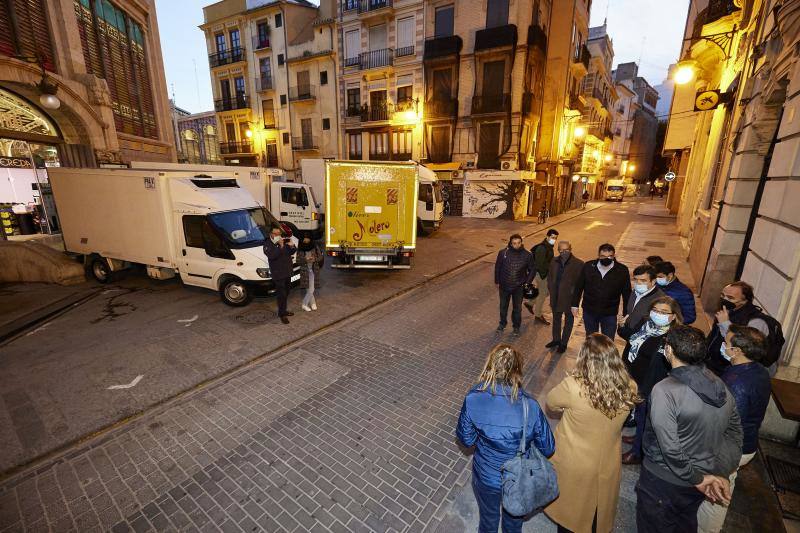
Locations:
(196, 137)
(644, 125)
(83, 82)
(622, 120)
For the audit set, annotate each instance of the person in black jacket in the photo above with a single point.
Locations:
(279, 253)
(603, 283)
(512, 270)
(542, 257)
(645, 292)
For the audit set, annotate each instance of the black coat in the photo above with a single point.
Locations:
(513, 268)
(562, 282)
(638, 313)
(650, 365)
(280, 259)
(602, 295)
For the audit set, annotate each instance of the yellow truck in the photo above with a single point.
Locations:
(371, 219)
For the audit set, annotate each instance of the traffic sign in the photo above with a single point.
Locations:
(669, 176)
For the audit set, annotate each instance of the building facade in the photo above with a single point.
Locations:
(102, 63)
(622, 115)
(196, 137)
(644, 125)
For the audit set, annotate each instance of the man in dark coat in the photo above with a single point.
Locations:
(565, 270)
(675, 289)
(512, 270)
(279, 253)
(604, 282)
(645, 291)
(542, 257)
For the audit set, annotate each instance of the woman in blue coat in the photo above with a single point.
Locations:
(491, 420)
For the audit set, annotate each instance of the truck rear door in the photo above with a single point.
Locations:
(373, 212)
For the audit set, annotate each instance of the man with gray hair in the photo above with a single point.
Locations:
(565, 270)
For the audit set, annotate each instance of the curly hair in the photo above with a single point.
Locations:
(603, 376)
(504, 365)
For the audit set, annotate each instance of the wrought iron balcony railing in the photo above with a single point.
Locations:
(226, 57)
(235, 147)
(493, 103)
(302, 92)
(230, 104)
(376, 58)
(305, 142)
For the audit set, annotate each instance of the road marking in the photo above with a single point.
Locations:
(188, 321)
(597, 223)
(130, 385)
(40, 328)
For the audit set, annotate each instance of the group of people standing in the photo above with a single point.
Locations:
(696, 401)
(279, 251)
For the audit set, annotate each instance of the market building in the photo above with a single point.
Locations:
(196, 138)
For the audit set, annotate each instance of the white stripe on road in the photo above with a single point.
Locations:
(130, 385)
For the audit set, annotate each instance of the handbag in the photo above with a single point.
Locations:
(529, 481)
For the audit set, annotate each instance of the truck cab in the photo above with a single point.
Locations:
(295, 205)
(430, 208)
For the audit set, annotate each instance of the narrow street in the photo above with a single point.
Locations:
(349, 430)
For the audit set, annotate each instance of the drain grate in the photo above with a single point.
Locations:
(259, 316)
(655, 244)
(785, 474)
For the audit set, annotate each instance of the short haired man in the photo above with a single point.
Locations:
(749, 382)
(512, 269)
(603, 283)
(675, 289)
(542, 256)
(565, 270)
(637, 310)
(692, 439)
(279, 254)
(652, 260)
(736, 307)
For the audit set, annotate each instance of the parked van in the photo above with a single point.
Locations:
(206, 229)
(615, 190)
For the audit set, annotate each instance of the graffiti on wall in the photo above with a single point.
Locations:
(496, 199)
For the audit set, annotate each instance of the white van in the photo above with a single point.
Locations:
(206, 229)
(615, 190)
(430, 207)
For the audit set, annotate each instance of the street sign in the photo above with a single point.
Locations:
(669, 176)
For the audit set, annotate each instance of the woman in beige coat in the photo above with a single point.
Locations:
(595, 399)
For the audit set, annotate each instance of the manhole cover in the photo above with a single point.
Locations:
(655, 244)
(258, 316)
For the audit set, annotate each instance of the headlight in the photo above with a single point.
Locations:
(262, 272)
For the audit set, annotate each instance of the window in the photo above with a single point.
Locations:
(444, 21)
(379, 145)
(496, 13)
(225, 89)
(265, 70)
(307, 133)
(303, 84)
(439, 151)
(294, 195)
(425, 192)
(378, 38)
(238, 83)
(193, 230)
(283, 100)
(489, 145)
(272, 154)
(219, 40)
(323, 77)
(326, 123)
(230, 132)
(405, 36)
(405, 95)
(402, 144)
(29, 35)
(353, 102)
(268, 112)
(281, 59)
(352, 46)
(442, 84)
(493, 71)
(235, 41)
(263, 34)
(278, 20)
(285, 137)
(354, 146)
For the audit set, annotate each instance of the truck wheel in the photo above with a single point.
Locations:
(235, 293)
(100, 270)
(421, 231)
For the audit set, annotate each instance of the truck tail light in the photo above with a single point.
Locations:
(334, 253)
(407, 254)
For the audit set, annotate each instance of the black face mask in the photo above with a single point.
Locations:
(565, 254)
(727, 304)
(606, 261)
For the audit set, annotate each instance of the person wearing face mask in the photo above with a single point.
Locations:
(645, 291)
(565, 270)
(603, 283)
(647, 365)
(512, 269)
(542, 257)
(672, 287)
(749, 382)
(279, 254)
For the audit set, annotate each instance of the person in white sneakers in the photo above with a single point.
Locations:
(309, 257)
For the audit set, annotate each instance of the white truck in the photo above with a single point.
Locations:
(615, 190)
(292, 203)
(206, 229)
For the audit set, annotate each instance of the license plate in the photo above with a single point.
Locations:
(371, 258)
(296, 277)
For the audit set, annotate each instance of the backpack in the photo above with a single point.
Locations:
(775, 340)
(529, 481)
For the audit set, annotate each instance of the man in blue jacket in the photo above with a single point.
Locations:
(512, 269)
(672, 287)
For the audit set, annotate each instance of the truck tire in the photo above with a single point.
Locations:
(100, 270)
(421, 230)
(234, 292)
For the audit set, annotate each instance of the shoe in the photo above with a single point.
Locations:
(528, 306)
(500, 329)
(552, 344)
(289, 313)
(542, 319)
(631, 458)
(306, 308)
(284, 320)
(628, 439)
(561, 348)
(515, 332)
(313, 307)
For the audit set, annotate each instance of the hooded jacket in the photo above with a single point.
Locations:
(692, 429)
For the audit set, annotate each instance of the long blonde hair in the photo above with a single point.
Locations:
(603, 376)
(504, 366)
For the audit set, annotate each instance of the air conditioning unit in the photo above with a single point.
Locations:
(508, 164)
(470, 164)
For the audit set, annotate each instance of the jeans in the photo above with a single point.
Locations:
(282, 288)
(594, 323)
(308, 299)
(640, 417)
(562, 336)
(711, 516)
(662, 507)
(538, 303)
(490, 506)
(516, 307)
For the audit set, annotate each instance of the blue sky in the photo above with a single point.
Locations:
(660, 24)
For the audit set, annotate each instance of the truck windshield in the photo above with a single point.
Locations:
(245, 228)
(614, 188)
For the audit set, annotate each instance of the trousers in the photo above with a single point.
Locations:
(562, 336)
(662, 507)
(516, 307)
(309, 299)
(282, 288)
(538, 302)
(595, 323)
(490, 507)
(711, 516)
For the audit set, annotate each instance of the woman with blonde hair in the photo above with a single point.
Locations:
(491, 420)
(595, 399)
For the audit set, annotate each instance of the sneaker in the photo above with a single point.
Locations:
(552, 344)
(284, 320)
(515, 332)
(313, 307)
(500, 329)
(542, 319)
(306, 308)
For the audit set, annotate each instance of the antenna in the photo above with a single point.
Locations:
(196, 83)
(608, 7)
(173, 92)
(641, 52)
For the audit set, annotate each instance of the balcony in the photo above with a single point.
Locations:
(270, 121)
(586, 55)
(441, 108)
(537, 38)
(302, 93)
(350, 5)
(231, 104)
(235, 147)
(494, 103)
(352, 62)
(376, 59)
(260, 43)
(404, 51)
(226, 57)
(715, 10)
(371, 6)
(442, 47)
(305, 142)
(264, 84)
(498, 37)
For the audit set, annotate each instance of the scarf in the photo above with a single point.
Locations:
(645, 332)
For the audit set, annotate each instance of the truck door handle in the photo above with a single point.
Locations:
(184, 252)
(284, 214)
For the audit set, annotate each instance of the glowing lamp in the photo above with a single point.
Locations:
(608, 158)
(248, 133)
(576, 178)
(580, 131)
(685, 73)
(50, 101)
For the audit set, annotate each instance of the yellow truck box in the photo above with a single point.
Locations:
(372, 213)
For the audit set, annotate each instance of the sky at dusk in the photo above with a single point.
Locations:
(650, 29)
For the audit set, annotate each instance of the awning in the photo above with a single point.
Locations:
(444, 166)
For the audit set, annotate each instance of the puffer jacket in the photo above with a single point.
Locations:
(513, 268)
(682, 294)
(493, 424)
(692, 428)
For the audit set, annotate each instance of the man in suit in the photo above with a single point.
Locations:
(644, 292)
(565, 270)
(603, 284)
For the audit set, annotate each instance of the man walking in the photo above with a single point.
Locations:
(565, 270)
(512, 270)
(279, 253)
(603, 283)
(692, 439)
(675, 289)
(542, 257)
(645, 291)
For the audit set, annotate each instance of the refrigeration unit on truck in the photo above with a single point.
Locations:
(207, 230)
(292, 203)
(371, 218)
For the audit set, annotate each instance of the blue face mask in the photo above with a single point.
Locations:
(640, 288)
(662, 281)
(659, 319)
(724, 352)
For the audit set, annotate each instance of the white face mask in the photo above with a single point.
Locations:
(724, 352)
(276, 239)
(551, 241)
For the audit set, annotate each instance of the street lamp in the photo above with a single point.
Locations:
(576, 178)
(608, 158)
(686, 72)
(580, 131)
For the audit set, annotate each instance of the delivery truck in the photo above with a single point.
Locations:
(371, 218)
(207, 230)
(292, 203)
(615, 190)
